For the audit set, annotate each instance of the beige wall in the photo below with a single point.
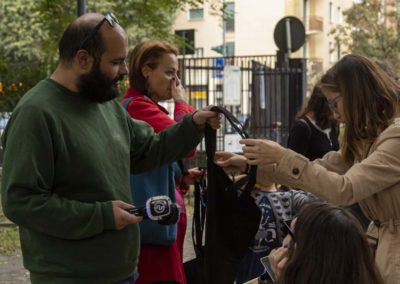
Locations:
(320, 43)
(256, 20)
(208, 32)
(254, 25)
(293, 8)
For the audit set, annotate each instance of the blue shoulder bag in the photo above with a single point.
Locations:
(160, 181)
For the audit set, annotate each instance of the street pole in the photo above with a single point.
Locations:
(81, 7)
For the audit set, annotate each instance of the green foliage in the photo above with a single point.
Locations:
(9, 237)
(371, 28)
(9, 240)
(30, 32)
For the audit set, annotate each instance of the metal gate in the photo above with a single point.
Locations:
(267, 96)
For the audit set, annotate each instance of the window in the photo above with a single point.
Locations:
(331, 13)
(229, 17)
(229, 49)
(196, 14)
(199, 52)
(187, 41)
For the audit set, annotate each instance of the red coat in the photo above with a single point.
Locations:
(161, 263)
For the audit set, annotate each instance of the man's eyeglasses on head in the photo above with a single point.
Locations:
(109, 18)
(333, 103)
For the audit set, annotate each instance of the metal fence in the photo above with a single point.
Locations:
(267, 94)
(277, 95)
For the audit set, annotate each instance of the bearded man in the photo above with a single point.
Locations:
(69, 151)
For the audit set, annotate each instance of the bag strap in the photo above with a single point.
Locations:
(198, 219)
(233, 120)
(211, 144)
(125, 104)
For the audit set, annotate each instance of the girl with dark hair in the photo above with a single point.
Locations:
(315, 132)
(329, 247)
(367, 167)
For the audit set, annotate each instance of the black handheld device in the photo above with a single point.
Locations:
(160, 209)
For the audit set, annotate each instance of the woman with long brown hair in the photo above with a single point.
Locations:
(367, 167)
(329, 246)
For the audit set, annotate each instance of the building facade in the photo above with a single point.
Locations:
(247, 28)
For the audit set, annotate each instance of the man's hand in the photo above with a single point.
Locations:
(121, 217)
(230, 162)
(201, 117)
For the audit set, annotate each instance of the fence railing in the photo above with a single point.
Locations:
(261, 93)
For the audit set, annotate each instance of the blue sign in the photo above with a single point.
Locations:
(218, 70)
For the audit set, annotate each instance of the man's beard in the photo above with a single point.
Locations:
(96, 86)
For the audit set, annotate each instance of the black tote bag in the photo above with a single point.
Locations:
(232, 217)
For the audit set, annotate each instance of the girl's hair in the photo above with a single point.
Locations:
(370, 100)
(318, 105)
(146, 53)
(330, 248)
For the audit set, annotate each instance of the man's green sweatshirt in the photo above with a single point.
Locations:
(65, 160)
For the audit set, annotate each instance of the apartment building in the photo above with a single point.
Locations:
(248, 27)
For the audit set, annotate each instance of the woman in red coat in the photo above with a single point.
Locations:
(153, 78)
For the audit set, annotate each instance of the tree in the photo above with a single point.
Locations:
(30, 32)
(371, 29)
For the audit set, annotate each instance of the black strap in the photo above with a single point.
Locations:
(125, 104)
(211, 143)
(198, 219)
(233, 120)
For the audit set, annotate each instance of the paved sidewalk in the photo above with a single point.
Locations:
(13, 272)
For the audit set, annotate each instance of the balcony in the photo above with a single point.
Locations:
(315, 25)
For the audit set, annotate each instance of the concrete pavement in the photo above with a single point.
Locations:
(13, 272)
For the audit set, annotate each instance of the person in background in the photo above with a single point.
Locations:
(315, 131)
(327, 245)
(153, 77)
(276, 206)
(69, 149)
(367, 167)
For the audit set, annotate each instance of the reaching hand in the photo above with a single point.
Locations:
(193, 175)
(121, 217)
(258, 151)
(230, 162)
(201, 117)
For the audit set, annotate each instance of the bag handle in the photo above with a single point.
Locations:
(211, 144)
(198, 219)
